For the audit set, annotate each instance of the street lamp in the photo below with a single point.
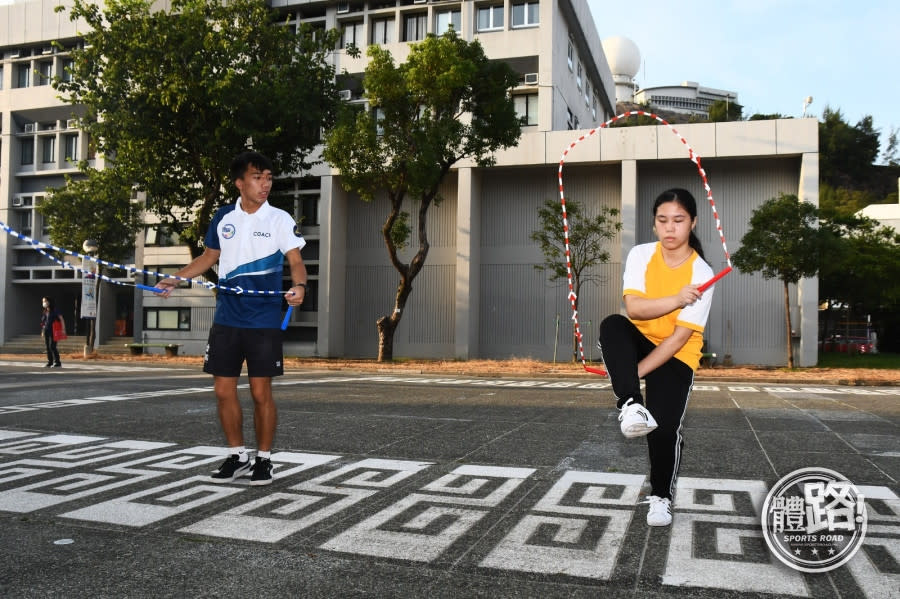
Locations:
(90, 292)
(806, 102)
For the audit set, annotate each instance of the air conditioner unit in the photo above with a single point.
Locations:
(345, 94)
(18, 202)
(72, 124)
(420, 1)
(531, 78)
(343, 8)
(29, 127)
(47, 50)
(14, 54)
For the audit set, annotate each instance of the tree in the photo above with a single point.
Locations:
(171, 95)
(98, 207)
(782, 243)
(842, 201)
(846, 154)
(860, 267)
(720, 111)
(587, 244)
(890, 155)
(759, 116)
(446, 103)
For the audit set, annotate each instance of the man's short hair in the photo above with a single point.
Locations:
(245, 160)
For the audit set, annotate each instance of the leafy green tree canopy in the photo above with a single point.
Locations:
(171, 95)
(842, 202)
(721, 111)
(446, 103)
(846, 153)
(588, 239)
(782, 241)
(98, 207)
(860, 263)
(759, 116)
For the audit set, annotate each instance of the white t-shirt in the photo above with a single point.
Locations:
(252, 250)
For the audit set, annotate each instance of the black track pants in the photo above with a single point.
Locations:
(667, 388)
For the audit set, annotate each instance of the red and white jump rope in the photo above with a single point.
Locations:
(694, 157)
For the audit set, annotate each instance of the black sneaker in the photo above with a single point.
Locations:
(262, 472)
(231, 469)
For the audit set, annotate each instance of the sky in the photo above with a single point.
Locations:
(773, 53)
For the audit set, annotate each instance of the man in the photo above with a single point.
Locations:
(250, 240)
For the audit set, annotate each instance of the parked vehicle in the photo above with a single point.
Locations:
(848, 345)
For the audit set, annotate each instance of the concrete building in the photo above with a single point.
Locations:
(689, 98)
(479, 295)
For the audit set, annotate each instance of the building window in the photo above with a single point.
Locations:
(48, 150)
(579, 75)
(353, 35)
(309, 210)
(67, 66)
(91, 148)
(45, 72)
(414, 27)
(379, 117)
(1, 76)
(489, 18)
(70, 142)
(587, 94)
(527, 108)
(594, 107)
(161, 235)
(525, 14)
(24, 223)
(27, 147)
(570, 57)
(445, 19)
(167, 319)
(571, 119)
(163, 270)
(382, 31)
(22, 75)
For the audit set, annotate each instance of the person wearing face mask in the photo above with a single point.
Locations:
(49, 315)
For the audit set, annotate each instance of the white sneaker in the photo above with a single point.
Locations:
(636, 420)
(660, 513)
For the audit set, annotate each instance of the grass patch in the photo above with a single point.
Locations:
(842, 360)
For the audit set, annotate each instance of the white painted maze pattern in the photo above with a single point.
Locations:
(575, 528)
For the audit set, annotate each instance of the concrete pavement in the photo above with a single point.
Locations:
(394, 485)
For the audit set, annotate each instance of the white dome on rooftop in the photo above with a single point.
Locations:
(623, 56)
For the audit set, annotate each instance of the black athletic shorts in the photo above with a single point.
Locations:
(229, 347)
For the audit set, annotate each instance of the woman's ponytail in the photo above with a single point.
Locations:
(695, 244)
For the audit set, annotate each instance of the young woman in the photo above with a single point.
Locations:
(660, 341)
(49, 315)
